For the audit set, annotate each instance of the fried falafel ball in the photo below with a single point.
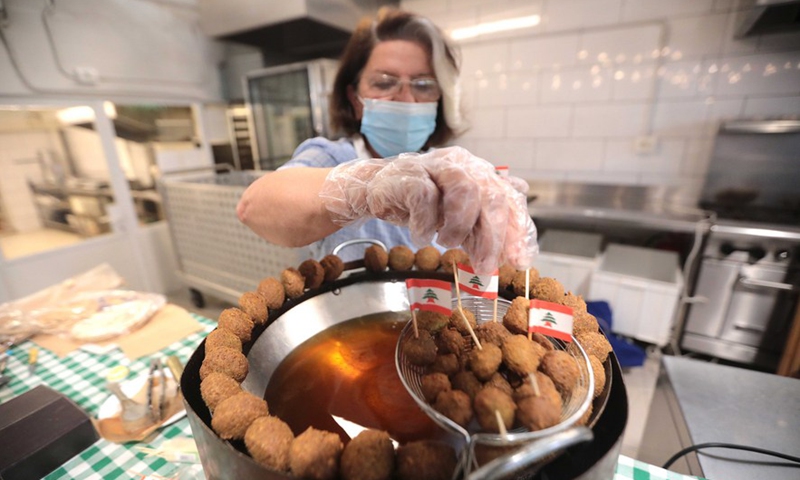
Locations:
(522, 355)
(562, 368)
(518, 282)
(432, 384)
(401, 258)
(575, 302)
(546, 388)
(466, 382)
(595, 343)
(431, 321)
(457, 321)
(455, 405)
(420, 350)
(315, 454)
(237, 322)
(369, 456)
(333, 266)
(499, 382)
(427, 259)
(506, 275)
(516, 318)
(293, 282)
(449, 364)
(547, 289)
(599, 375)
(450, 340)
(313, 273)
(268, 439)
(492, 332)
(234, 415)
(486, 453)
(375, 258)
(454, 255)
(272, 290)
(584, 322)
(253, 304)
(537, 413)
(222, 337)
(542, 340)
(485, 361)
(425, 459)
(227, 361)
(490, 400)
(216, 387)
(584, 420)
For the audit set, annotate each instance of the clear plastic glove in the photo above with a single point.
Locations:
(447, 191)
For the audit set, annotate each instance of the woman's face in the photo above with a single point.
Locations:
(396, 60)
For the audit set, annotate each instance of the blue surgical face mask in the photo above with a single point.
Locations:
(393, 128)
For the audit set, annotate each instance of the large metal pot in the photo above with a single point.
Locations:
(355, 296)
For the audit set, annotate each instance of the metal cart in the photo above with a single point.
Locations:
(217, 254)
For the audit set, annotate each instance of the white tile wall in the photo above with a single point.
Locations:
(567, 99)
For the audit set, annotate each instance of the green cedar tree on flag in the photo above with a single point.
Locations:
(433, 295)
(551, 319)
(479, 285)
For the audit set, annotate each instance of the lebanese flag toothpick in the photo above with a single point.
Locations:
(479, 285)
(551, 319)
(433, 295)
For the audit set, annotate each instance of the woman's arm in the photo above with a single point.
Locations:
(284, 207)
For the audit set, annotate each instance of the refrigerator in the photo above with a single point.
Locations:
(288, 104)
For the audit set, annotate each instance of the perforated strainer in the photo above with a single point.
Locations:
(574, 406)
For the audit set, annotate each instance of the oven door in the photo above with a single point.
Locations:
(744, 312)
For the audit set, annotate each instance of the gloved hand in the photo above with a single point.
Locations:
(447, 191)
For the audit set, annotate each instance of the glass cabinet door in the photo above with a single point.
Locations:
(282, 114)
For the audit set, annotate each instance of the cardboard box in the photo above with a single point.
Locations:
(39, 431)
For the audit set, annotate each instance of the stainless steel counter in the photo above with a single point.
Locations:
(715, 403)
(664, 208)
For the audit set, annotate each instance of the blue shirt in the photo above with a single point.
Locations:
(320, 152)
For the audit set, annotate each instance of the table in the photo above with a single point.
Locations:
(81, 377)
(717, 403)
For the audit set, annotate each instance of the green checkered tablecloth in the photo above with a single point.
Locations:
(81, 377)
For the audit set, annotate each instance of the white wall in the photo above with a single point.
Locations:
(567, 100)
(109, 49)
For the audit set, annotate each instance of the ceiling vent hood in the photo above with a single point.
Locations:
(768, 16)
(287, 30)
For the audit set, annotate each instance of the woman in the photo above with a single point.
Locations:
(395, 92)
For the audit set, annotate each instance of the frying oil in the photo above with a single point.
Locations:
(348, 371)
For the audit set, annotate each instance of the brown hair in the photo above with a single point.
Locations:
(394, 24)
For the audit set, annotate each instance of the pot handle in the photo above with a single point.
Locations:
(356, 241)
(531, 453)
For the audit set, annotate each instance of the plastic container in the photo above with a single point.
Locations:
(570, 257)
(642, 286)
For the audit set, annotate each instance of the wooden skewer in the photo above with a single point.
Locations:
(494, 311)
(528, 298)
(461, 310)
(534, 384)
(501, 426)
(414, 322)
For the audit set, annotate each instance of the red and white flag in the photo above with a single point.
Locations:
(433, 295)
(551, 319)
(502, 170)
(479, 285)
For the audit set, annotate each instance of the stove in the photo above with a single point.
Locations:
(749, 276)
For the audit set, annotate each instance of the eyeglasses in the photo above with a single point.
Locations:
(423, 89)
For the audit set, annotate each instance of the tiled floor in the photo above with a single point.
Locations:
(640, 382)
